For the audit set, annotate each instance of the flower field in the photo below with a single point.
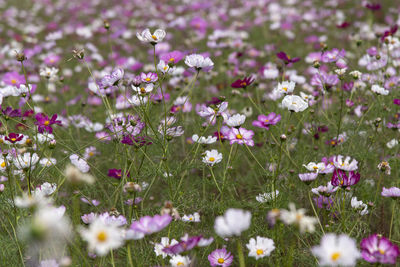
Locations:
(199, 133)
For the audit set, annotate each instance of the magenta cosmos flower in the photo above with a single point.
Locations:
(116, 173)
(378, 249)
(264, 121)
(187, 243)
(44, 123)
(172, 57)
(14, 137)
(241, 136)
(339, 178)
(148, 225)
(220, 257)
(243, 83)
(391, 192)
(287, 59)
(396, 101)
(13, 78)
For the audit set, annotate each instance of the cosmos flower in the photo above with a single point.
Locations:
(264, 121)
(286, 87)
(148, 225)
(153, 38)
(13, 78)
(339, 178)
(345, 164)
(212, 157)
(236, 120)
(260, 247)
(241, 136)
(286, 59)
(180, 261)
(195, 217)
(308, 177)
(243, 83)
(116, 173)
(220, 257)
(378, 249)
(204, 140)
(187, 243)
(14, 137)
(336, 250)
(199, 62)
(379, 90)
(294, 103)
(232, 223)
(298, 218)
(172, 57)
(165, 243)
(102, 237)
(149, 77)
(112, 79)
(393, 192)
(44, 123)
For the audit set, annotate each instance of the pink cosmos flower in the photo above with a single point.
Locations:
(241, 136)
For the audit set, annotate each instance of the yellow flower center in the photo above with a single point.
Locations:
(13, 139)
(341, 182)
(102, 236)
(381, 251)
(315, 168)
(190, 219)
(46, 123)
(91, 153)
(172, 59)
(260, 251)
(154, 37)
(148, 79)
(3, 164)
(299, 217)
(284, 89)
(180, 264)
(335, 256)
(266, 120)
(332, 142)
(221, 260)
(239, 136)
(212, 159)
(142, 90)
(243, 84)
(165, 68)
(13, 81)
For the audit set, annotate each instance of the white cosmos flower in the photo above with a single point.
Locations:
(294, 103)
(392, 143)
(298, 217)
(360, 206)
(212, 157)
(266, 197)
(164, 67)
(48, 162)
(102, 237)
(195, 217)
(315, 167)
(260, 247)
(165, 243)
(204, 140)
(137, 100)
(144, 89)
(198, 61)
(286, 87)
(306, 97)
(232, 223)
(336, 250)
(345, 164)
(179, 261)
(153, 38)
(236, 120)
(26, 160)
(379, 90)
(80, 163)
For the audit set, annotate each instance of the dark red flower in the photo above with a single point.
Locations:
(287, 59)
(243, 83)
(44, 123)
(339, 178)
(14, 137)
(343, 25)
(116, 173)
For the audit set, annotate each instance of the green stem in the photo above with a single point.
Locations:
(240, 254)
